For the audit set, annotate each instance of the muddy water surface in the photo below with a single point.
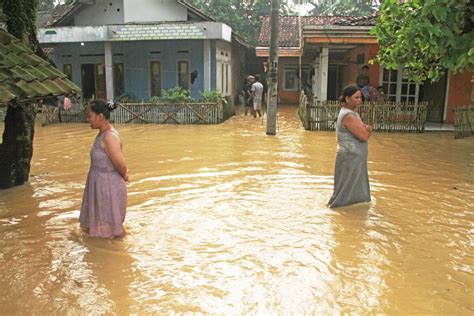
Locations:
(226, 220)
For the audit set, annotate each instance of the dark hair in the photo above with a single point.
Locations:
(257, 77)
(365, 67)
(349, 91)
(101, 107)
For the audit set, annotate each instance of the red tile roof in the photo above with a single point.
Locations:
(288, 34)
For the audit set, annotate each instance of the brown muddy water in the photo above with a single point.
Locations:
(226, 220)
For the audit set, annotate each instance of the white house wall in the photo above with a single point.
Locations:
(102, 13)
(145, 11)
(224, 71)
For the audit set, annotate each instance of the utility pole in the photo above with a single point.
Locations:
(273, 84)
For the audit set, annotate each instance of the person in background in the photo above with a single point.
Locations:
(248, 95)
(257, 96)
(363, 78)
(351, 178)
(381, 96)
(104, 201)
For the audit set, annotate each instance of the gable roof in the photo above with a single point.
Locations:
(64, 12)
(24, 76)
(288, 32)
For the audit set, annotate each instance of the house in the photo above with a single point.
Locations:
(140, 47)
(329, 53)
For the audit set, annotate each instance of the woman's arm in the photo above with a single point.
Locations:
(114, 151)
(357, 127)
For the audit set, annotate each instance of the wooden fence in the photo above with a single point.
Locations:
(154, 113)
(390, 117)
(463, 121)
(170, 113)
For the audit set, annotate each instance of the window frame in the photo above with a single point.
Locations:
(401, 79)
(150, 74)
(178, 73)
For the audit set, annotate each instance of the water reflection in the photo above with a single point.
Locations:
(225, 220)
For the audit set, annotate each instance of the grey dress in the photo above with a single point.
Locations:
(351, 178)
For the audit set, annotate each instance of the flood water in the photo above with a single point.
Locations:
(226, 220)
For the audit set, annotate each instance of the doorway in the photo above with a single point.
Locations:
(93, 81)
(434, 93)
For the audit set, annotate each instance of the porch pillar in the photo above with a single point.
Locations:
(109, 71)
(323, 74)
(316, 80)
(207, 65)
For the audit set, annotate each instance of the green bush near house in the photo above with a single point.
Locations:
(228, 107)
(210, 96)
(176, 95)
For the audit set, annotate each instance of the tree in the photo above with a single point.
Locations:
(244, 16)
(16, 149)
(344, 7)
(426, 36)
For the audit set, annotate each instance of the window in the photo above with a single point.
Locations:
(155, 78)
(397, 86)
(183, 74)
(67, 69)
(290, 80)
(118, 80)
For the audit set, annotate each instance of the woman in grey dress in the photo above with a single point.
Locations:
(105, 196)
(351, 178)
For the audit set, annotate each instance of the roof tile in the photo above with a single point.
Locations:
(24, 76)
(288, 32)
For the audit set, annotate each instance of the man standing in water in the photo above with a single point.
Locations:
(257, 95)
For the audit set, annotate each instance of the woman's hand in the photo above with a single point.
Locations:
(357, 128)
(369, 128)
(113, 148)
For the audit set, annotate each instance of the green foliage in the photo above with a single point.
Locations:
(211, 96)
(344, 7)
(244, 16)
(426, 36)
(176, 95)
(21, 22)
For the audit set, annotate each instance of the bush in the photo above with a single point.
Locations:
(176, 95)
(211, 96)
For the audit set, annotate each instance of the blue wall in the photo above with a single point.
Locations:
(136, 56)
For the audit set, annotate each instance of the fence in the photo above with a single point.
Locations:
(463, 121)
(390, 117)
(170, 113)
(154, 113)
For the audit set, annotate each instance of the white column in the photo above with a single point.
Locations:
(109, 71)
(323, 70)
(316, 80)
(207, 65)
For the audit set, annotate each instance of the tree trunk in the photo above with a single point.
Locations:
(16, 149)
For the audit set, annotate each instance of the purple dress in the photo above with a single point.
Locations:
(105, 196)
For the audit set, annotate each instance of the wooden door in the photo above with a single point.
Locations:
(100, 86)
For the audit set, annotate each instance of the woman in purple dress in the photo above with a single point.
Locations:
(105, 196)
